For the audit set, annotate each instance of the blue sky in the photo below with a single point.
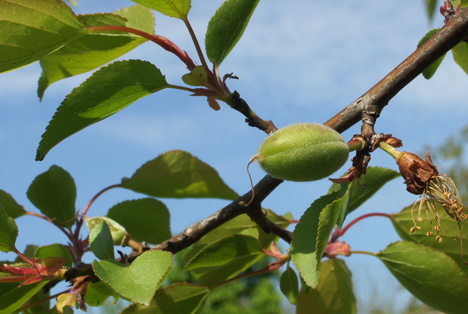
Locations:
(298, 61)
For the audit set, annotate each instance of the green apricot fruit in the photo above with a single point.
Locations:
(303, 152)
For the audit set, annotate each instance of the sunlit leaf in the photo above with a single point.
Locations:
(13, 209)
(106, 92)
(145, 219)
(54, 193)
(138, 281)
(173, 8)
(178, 174)
(180, 298)
(117, 231)
(226, 28)
(430, 275)
(93, 50)
(334, 292)
(312, 233)
(33, 29)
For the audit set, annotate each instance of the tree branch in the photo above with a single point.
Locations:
(195, 232)
(374, 100)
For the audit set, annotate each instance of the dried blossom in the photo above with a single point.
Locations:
(441, 188)
(416, 172)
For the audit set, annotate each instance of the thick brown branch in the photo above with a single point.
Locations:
(373, 101)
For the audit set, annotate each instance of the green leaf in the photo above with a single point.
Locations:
(451, 246)
(289, 285)
(180, 298)
(430, 275)
(13, 209)
(145, 219)
(16, 298)
(430, 8)
(117, 231)
(174, 8)
(106, 92)
(224, 259)
(138, 281)
(431, 70)
(54, 193)
(460, 55)
(334, 292)
(100, 241)
(55, 250)
(97, 293)
(33, 29)
(93, 50)
(5, 287)
(311, 235)
(178, 174)
(8, 232)
(374, 179)
(242, 224)
(226, 28)
(345, 193)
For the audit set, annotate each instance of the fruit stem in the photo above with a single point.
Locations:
(392, 151)
(357, 143)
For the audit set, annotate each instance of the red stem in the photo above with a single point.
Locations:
(159, 40)
(338, 233)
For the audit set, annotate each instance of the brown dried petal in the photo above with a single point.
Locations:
(416, 172)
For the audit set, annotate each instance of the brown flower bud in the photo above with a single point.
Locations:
(416, 172)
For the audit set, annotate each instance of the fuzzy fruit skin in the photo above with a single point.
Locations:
(303, 152)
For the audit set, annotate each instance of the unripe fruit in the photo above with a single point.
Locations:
(303, 152)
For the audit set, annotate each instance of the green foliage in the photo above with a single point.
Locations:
(100, 241)
(93, 50)
(173, 8)
(374, 180)
(289, 285)
(145, 219)
(430, 275)
(430, 71)
(180, 298)
(12, 208)
(32, 29)
(226, 28)
(226, 269)
(54, 250)
(333, 294)
(106, 92)
(16, 298)
(178, 174)
(8, 231)
(224, 259)
(54, 194)
(138, 281)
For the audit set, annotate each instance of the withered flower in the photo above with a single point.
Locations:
(423, 178)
